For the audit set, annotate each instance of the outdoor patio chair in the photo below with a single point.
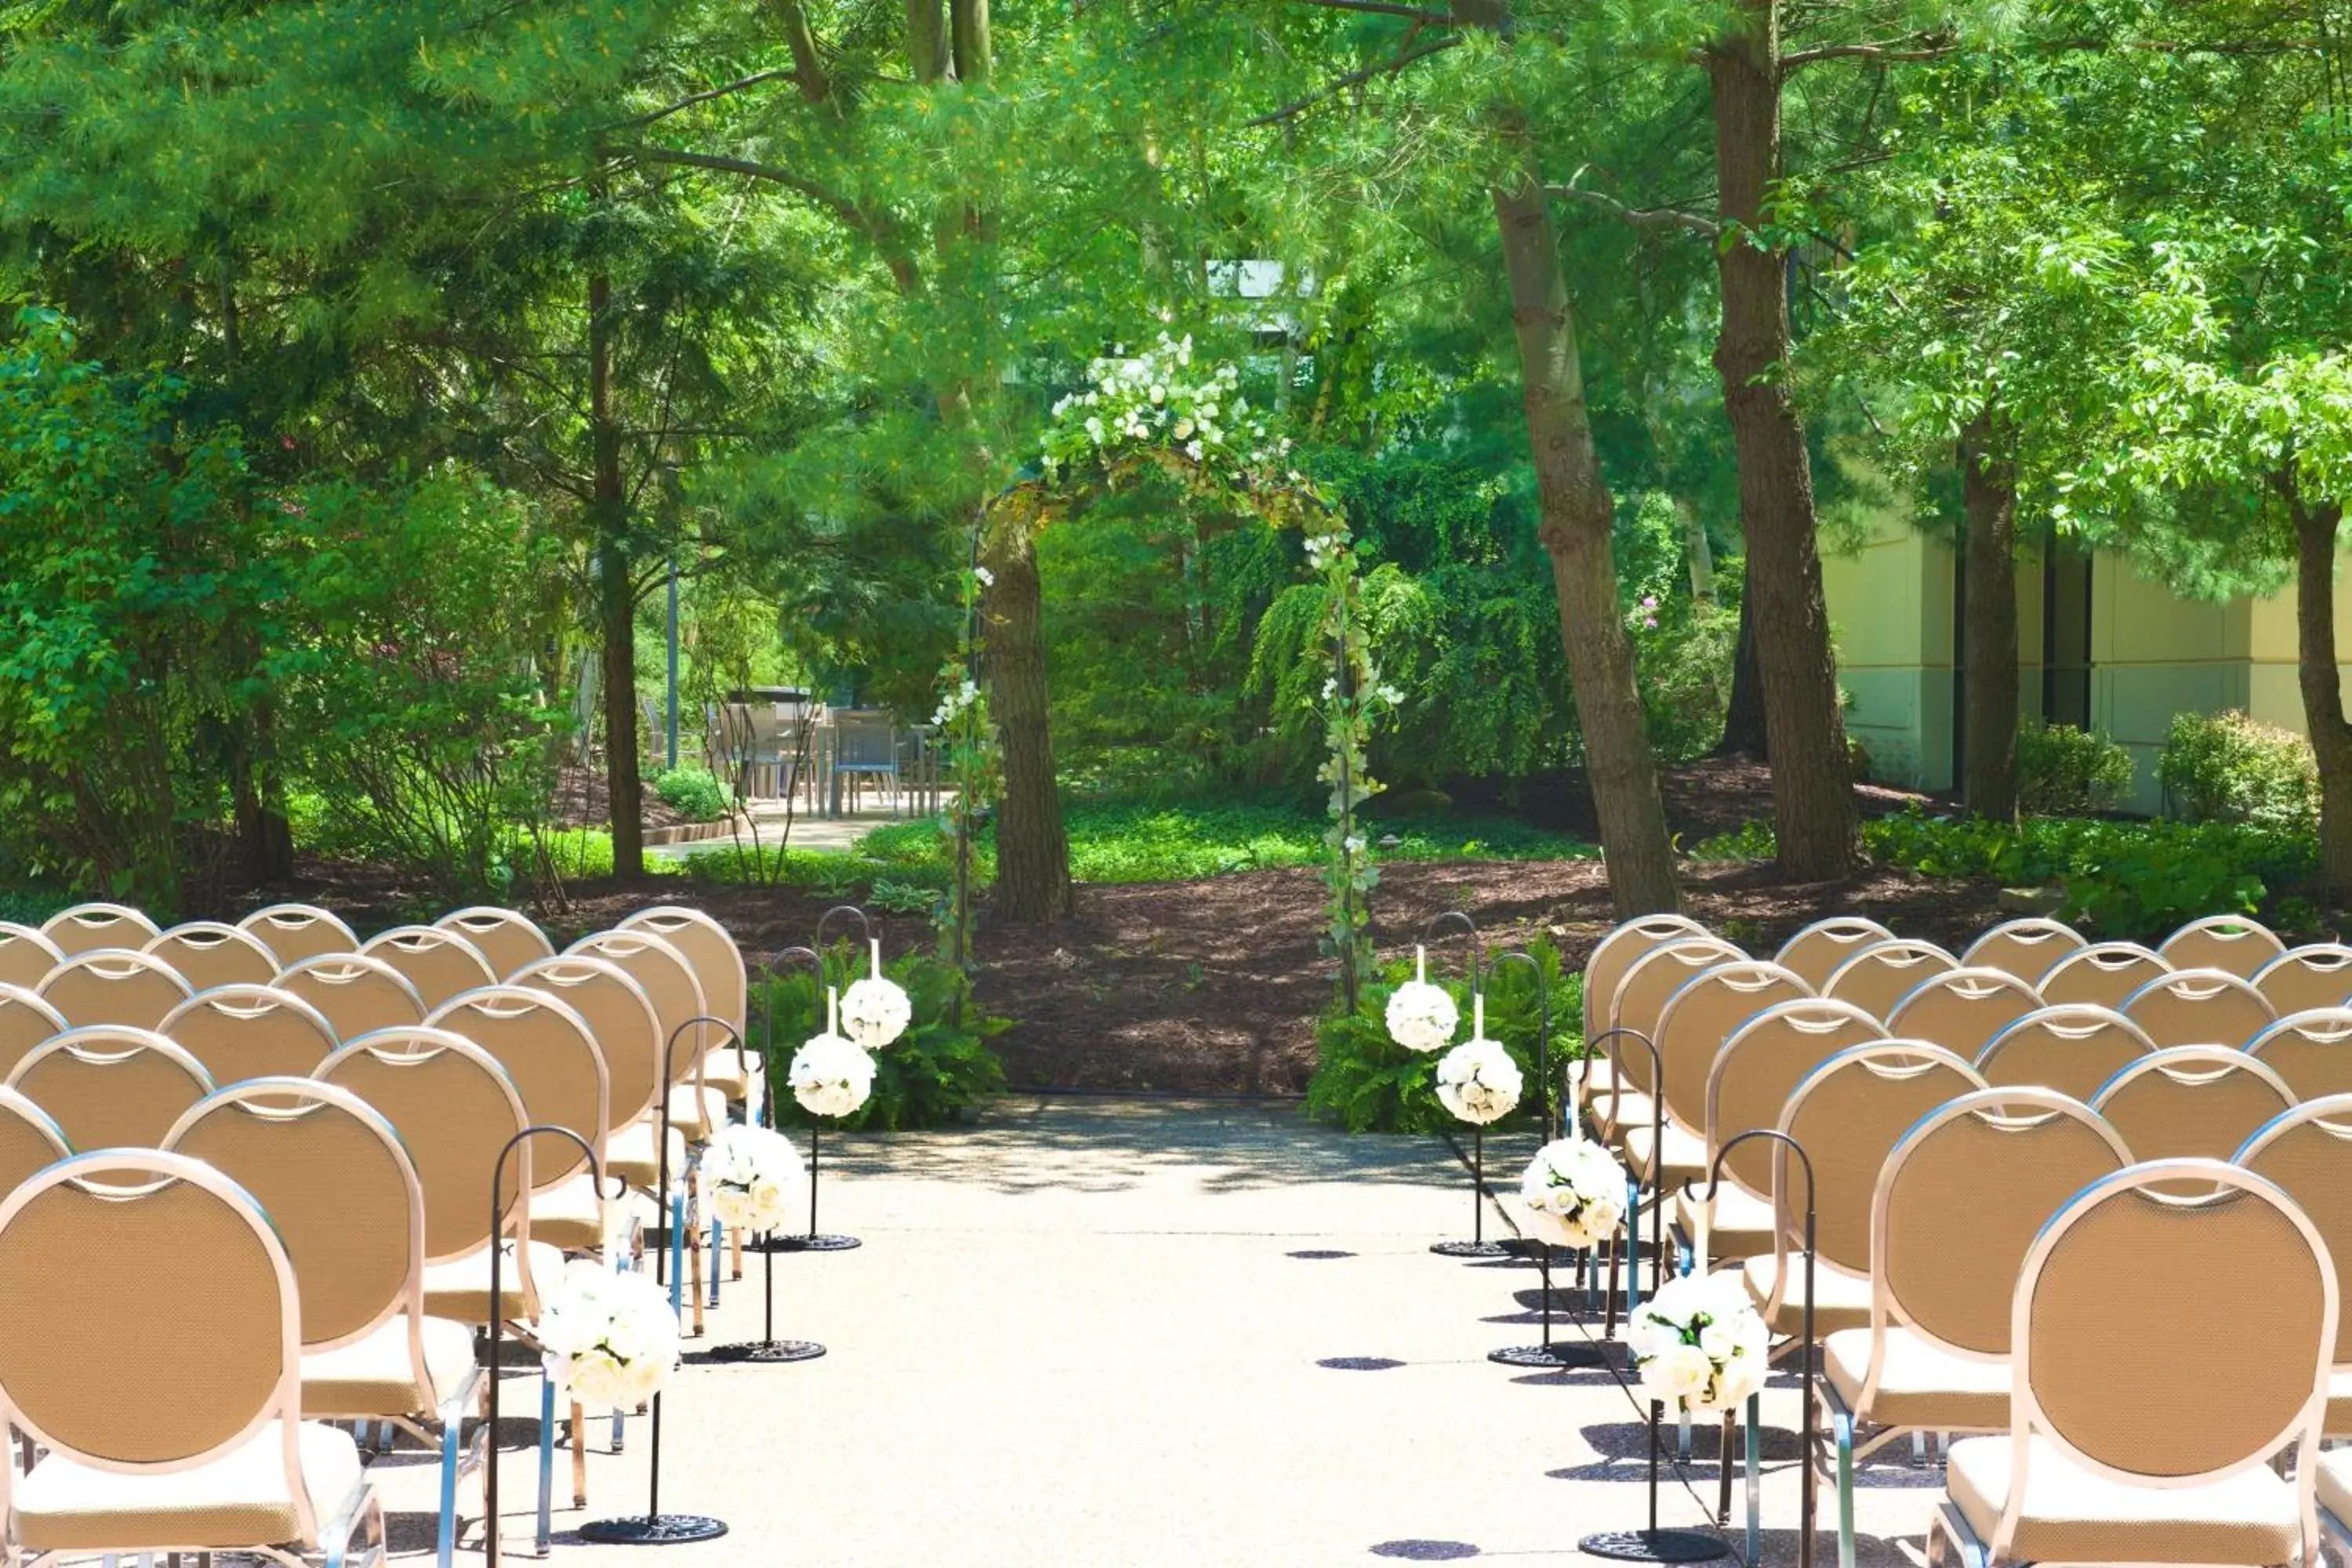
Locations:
(239, 1032)
(1702, 1014)
(343, 1197)
(356, 993)
(25, 1022)
(152, 1343)
(2102, 974)
(506, 939)
(1960, 1009)
(1605, 970)
(733, 1068)
(1641, 996)
(207, 954)
(1748, 1084)
(439, 964)
(2026, 948)
(2318, 975)
(865, 749)
(2309, 1153)
(2201, 1102)
(1875, 978)
(110, 1085)
(1959, 1203)
(25, 955)
(2120, 1449)
(30, 1138)
(297, 931)
(2074, 1047)
(2311, 1050)
(1815, 952)
(113, 985)
(550, 1052)
(87, 926)
(2228, 943)
(2199, 1007)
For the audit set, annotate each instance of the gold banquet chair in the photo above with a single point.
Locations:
(109, 1086)
(87, 927)
(207, 953)
(2074, 1047)
(30, 1138)
(1816, 952)
(2192, 1100)
(670, 984)
(1959, 1203)
(731, 1067)
(628, 1036)
(1621, 1097)
(2311, 1050)
(340, 1189)
(2231, 943)
(2128, 1441)
(2026, 948)
(151, 1340)
(2301, 978)
(1880, 975)
(2102, 974)
(1963, 1008)
(25, 1022)
(113, 985)
(2309, 1153)
(1605, 970)
(506, 939)
(439, 964)
(356, 994)
(1696, 1020)
(251, 1031)
(293, 932)
(2199, 1007)
(25, 955)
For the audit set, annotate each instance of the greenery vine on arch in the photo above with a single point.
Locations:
(1149, 413)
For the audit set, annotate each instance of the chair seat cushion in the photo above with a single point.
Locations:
(1921, 1384)
(239, 1500)
(722, 1071)
(2074, 1515)
(1843, 1299)
(2334, 1478)
(1740, 1226)
(569, 1215)
(1685, 1155)
(375, 1375)
(1632, 1109)
(696, 1113)
(461, 1288)
(629, 1154)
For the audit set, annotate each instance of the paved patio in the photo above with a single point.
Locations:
(1092, 1332)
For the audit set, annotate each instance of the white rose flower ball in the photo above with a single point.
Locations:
(831, 1075)
(1574, 1194)
(876, 1011)
(1421, 1017)
(749, 1175)
(608, 1339)
(1477, 1080)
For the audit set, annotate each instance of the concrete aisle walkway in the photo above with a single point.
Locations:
(1089, 1333)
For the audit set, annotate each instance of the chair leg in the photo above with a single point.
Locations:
(677, 1253)
(1723, 1470)
(1756, 1480)
(1841, 1424)
(453, 1448)
(546, 1464)
(694, 1262)
(716, 1270)
(579, 1456)
(735, 1238)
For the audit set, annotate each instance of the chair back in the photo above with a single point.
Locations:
(113, 985)
(338, 1185)
(1961, 1198)
(2201, 1102)
(1617, 953)
(2232, 943)
(2197, 1007)
(86, 927)
(621, 1018)
(2113, 1337)
(864, 741)
(1705, 1011)
(25, 955)
(1816, 952)
(2311, 1050)
(1649, 983)
(669, 984)
(25, 1022)
(1848, 1113)
(1762, 1064)
(2026, 948)
(2074, 1047)
(355, 993)
(2309, 1153)
(297, 931)
(455, 1108)
(250, 1031)
(111, 1088)
(2301, 978)
(718, 962)
(207, 954)
(550, 1052)
(2101, 974)
(506, 939)
(184, 1340)
(30, 1138)
(1963, 1008)
(1882, 974)
(439, 964)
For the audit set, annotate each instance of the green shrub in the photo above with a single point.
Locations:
(2065, 771)
(934, 1074)
(2225, 767)
(694, 793)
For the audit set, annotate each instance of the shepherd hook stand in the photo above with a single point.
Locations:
(1478, 1246)
(767, 1349)
(815, 1240)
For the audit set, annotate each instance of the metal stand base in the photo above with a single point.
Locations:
(653, 1530)
(1656, 1545)
(1560, 1355)
(1470, 1249)
(803, 1242)
(766, 1350)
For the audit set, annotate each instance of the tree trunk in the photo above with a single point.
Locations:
(1743, 716)
(1697, 552)
(616, 600)
(1989, 651)
(265, 837)
(1033, 851)
(927, 40)
(1819, 829)
(1577, 511)
(969, 31)
(2322, 686)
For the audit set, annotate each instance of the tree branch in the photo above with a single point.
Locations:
(894, 254)
(754, 79)
(1353, 78)
(1640, 217)
(1386, 8)
(1919, 47)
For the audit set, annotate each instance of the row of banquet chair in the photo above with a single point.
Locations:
(310, 1124)
(2099, 1228)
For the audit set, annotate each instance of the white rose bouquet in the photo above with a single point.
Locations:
(1574, 1193)
(874, 1011)
(1477, 1080)
(831, 1075)
(1421, 1017)
(750, 1176)
(1698, 1343)
(608, 1339)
